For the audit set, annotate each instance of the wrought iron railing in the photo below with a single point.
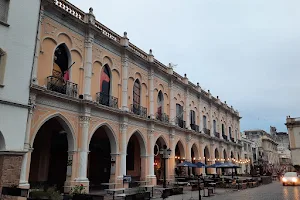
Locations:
(206, 131)
(180, 122)
(107, 100)
(217, 134)
(58, 84)
(225, 137)
(162, 117)
(138, 110)
(195, 127)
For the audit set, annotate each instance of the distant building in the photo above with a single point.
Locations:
(265, 147)
(284, 153)
(293, 126)
(247, 153)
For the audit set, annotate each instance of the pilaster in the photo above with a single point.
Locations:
(172, 103)
(124, 59)
(187, 109)
(151, 176)
(151, 94)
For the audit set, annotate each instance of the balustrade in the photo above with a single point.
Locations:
(58, 84)
(138, 110)
(107, 100)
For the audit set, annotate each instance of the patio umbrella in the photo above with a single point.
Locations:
(228, 165)
(186, 164)
(200, 164)
(216, 165)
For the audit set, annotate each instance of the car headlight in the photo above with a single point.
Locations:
(294, 179)
(284, 179)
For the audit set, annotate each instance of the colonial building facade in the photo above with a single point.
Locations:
(18, 27)
(102, 108)
(293, 126)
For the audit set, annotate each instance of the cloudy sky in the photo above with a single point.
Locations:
(245, 51)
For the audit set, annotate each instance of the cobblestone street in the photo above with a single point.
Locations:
(274, 191)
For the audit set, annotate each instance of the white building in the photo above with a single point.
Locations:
(246, 153)
(265, 146)
(18, 29)
(293, 125)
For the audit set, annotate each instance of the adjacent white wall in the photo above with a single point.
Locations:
(18, 41)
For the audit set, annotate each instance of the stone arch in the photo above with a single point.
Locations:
(2, 142)
(64, 38)
(66, 48)
(138, 76)
(141, 139)
(161, 87)
(107, 60)
(217, 155)
(64, 122)
(180, 147)
(231, 154)
(79, 54)
(47, 38)
(195, 149)
(162, 138)
(225, 156)
(110, 134)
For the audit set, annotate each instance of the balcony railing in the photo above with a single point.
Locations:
(206, 131)
(58, 84)
(195, 127)
(139, 110)
(107, 100)
(217, 134)
(232, 139)
(239, 142)
(225, 137)
(162, 117)
(180, 122)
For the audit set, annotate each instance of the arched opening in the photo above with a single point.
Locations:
(231, 155)
(215, 126)
(136, 97)
(135, 151)
(225, 159)
(101, 166)
(194, 157)
(179, 157)
(61, 62)
(49, 160)
(206, 159)
(158, 161)
(204, 122)
(2, 142)
(230, 135)
(160, 103)
(105, 87)
(217, 157)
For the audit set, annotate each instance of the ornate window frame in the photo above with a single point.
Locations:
(3, 57)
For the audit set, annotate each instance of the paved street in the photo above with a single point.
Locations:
(274, 191)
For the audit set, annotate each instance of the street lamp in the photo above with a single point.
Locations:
(165, 153)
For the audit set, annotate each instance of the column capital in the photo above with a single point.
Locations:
(84, 119)
(123, 126)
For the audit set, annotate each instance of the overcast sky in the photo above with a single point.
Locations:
(244, 51)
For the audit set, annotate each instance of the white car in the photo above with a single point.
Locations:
(290, 178)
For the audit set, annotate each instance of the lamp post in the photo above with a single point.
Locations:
(165, 153)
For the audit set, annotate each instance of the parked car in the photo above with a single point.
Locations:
(290, 178)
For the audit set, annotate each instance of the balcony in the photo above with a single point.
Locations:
(58, 84)
(180, 122)
(239, 142)
(138, 110)
(107, 100)
(224, 137)
(163, 117)
(217, 134)
(195, 127)
(206, 131)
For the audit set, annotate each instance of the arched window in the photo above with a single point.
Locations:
(223, 129)
(105, 80)
(229, 130)
(136, 97)
(215, 126)
(137, 93)
(61, 62)
(160, 103)
(204, 122)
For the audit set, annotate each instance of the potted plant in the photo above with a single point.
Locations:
(79, 193)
